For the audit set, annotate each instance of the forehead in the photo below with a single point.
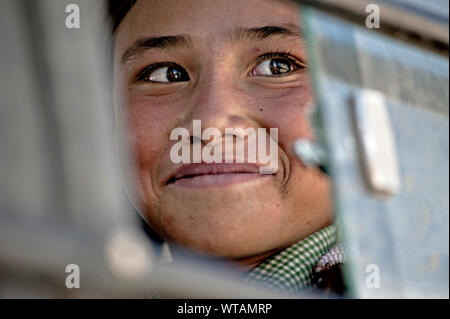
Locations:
(202, 19)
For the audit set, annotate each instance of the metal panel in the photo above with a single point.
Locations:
(406, 235)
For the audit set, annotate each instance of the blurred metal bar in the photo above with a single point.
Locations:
(42, 253)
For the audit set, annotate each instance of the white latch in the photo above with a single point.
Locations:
(375, 137)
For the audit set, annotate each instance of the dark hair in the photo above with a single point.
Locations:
(117, 10)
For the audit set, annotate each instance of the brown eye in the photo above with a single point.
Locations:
(176, 75)
(276, 66)
(164, 74)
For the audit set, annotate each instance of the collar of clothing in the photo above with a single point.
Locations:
(291, 269)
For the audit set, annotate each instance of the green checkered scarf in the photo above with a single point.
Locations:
(291, 269)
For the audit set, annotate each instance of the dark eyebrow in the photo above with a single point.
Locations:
(154, 42)
(164, 42)
(268, 31)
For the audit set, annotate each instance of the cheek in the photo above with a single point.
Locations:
(149, 129)
(290, 114)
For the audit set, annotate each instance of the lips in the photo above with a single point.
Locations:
(208, 175)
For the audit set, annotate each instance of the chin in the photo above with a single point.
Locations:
(228, 229)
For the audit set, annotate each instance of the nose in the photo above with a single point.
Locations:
(219, 102)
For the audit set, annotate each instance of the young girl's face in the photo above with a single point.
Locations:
(229, 64)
